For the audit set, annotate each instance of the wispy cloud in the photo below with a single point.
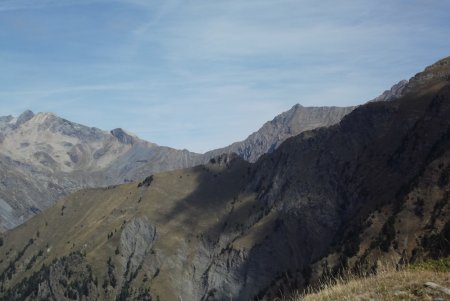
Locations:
(11, 5)
(55, 90)
(202, 74)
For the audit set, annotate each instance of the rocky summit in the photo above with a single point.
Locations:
(44, 157)
(374, 186)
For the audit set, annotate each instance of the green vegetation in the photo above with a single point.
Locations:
(436, 265)
(70, 273)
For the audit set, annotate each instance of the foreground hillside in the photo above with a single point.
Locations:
(386, 285)
(374, 187)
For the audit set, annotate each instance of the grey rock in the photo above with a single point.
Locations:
(122, 136)
(5, 122)
(394, 93)
(136, 240)
(24, 117)
(438, 287)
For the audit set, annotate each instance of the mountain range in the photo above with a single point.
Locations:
(44, 157)
(374, 186)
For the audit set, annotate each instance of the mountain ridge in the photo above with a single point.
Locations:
(67, 156)
(285, 125)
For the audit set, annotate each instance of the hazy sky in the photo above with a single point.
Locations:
(199, 74)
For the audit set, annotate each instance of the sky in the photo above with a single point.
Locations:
(201, 74)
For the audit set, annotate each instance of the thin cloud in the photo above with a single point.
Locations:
(71, 89)
(11, 5)
(203, 74)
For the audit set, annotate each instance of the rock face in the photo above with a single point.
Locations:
(24, 117)
(122, 136)
(290, 123)
(373, 187)
(136, 240)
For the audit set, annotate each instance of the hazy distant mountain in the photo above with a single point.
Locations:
(375, 186)
(290, 123)
(43, 157)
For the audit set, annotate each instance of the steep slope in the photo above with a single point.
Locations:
(290, 123)
(375, 186)
(43, 157)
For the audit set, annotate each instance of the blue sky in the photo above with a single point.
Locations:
(200, 74)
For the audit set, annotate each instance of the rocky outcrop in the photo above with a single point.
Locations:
(394, 93)
(438, 287)
(434, 73)
(24, 117)
(136, 240)
(122, 136)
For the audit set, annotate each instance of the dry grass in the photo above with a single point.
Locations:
(387, 285)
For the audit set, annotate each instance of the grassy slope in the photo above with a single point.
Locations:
(388, 284)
